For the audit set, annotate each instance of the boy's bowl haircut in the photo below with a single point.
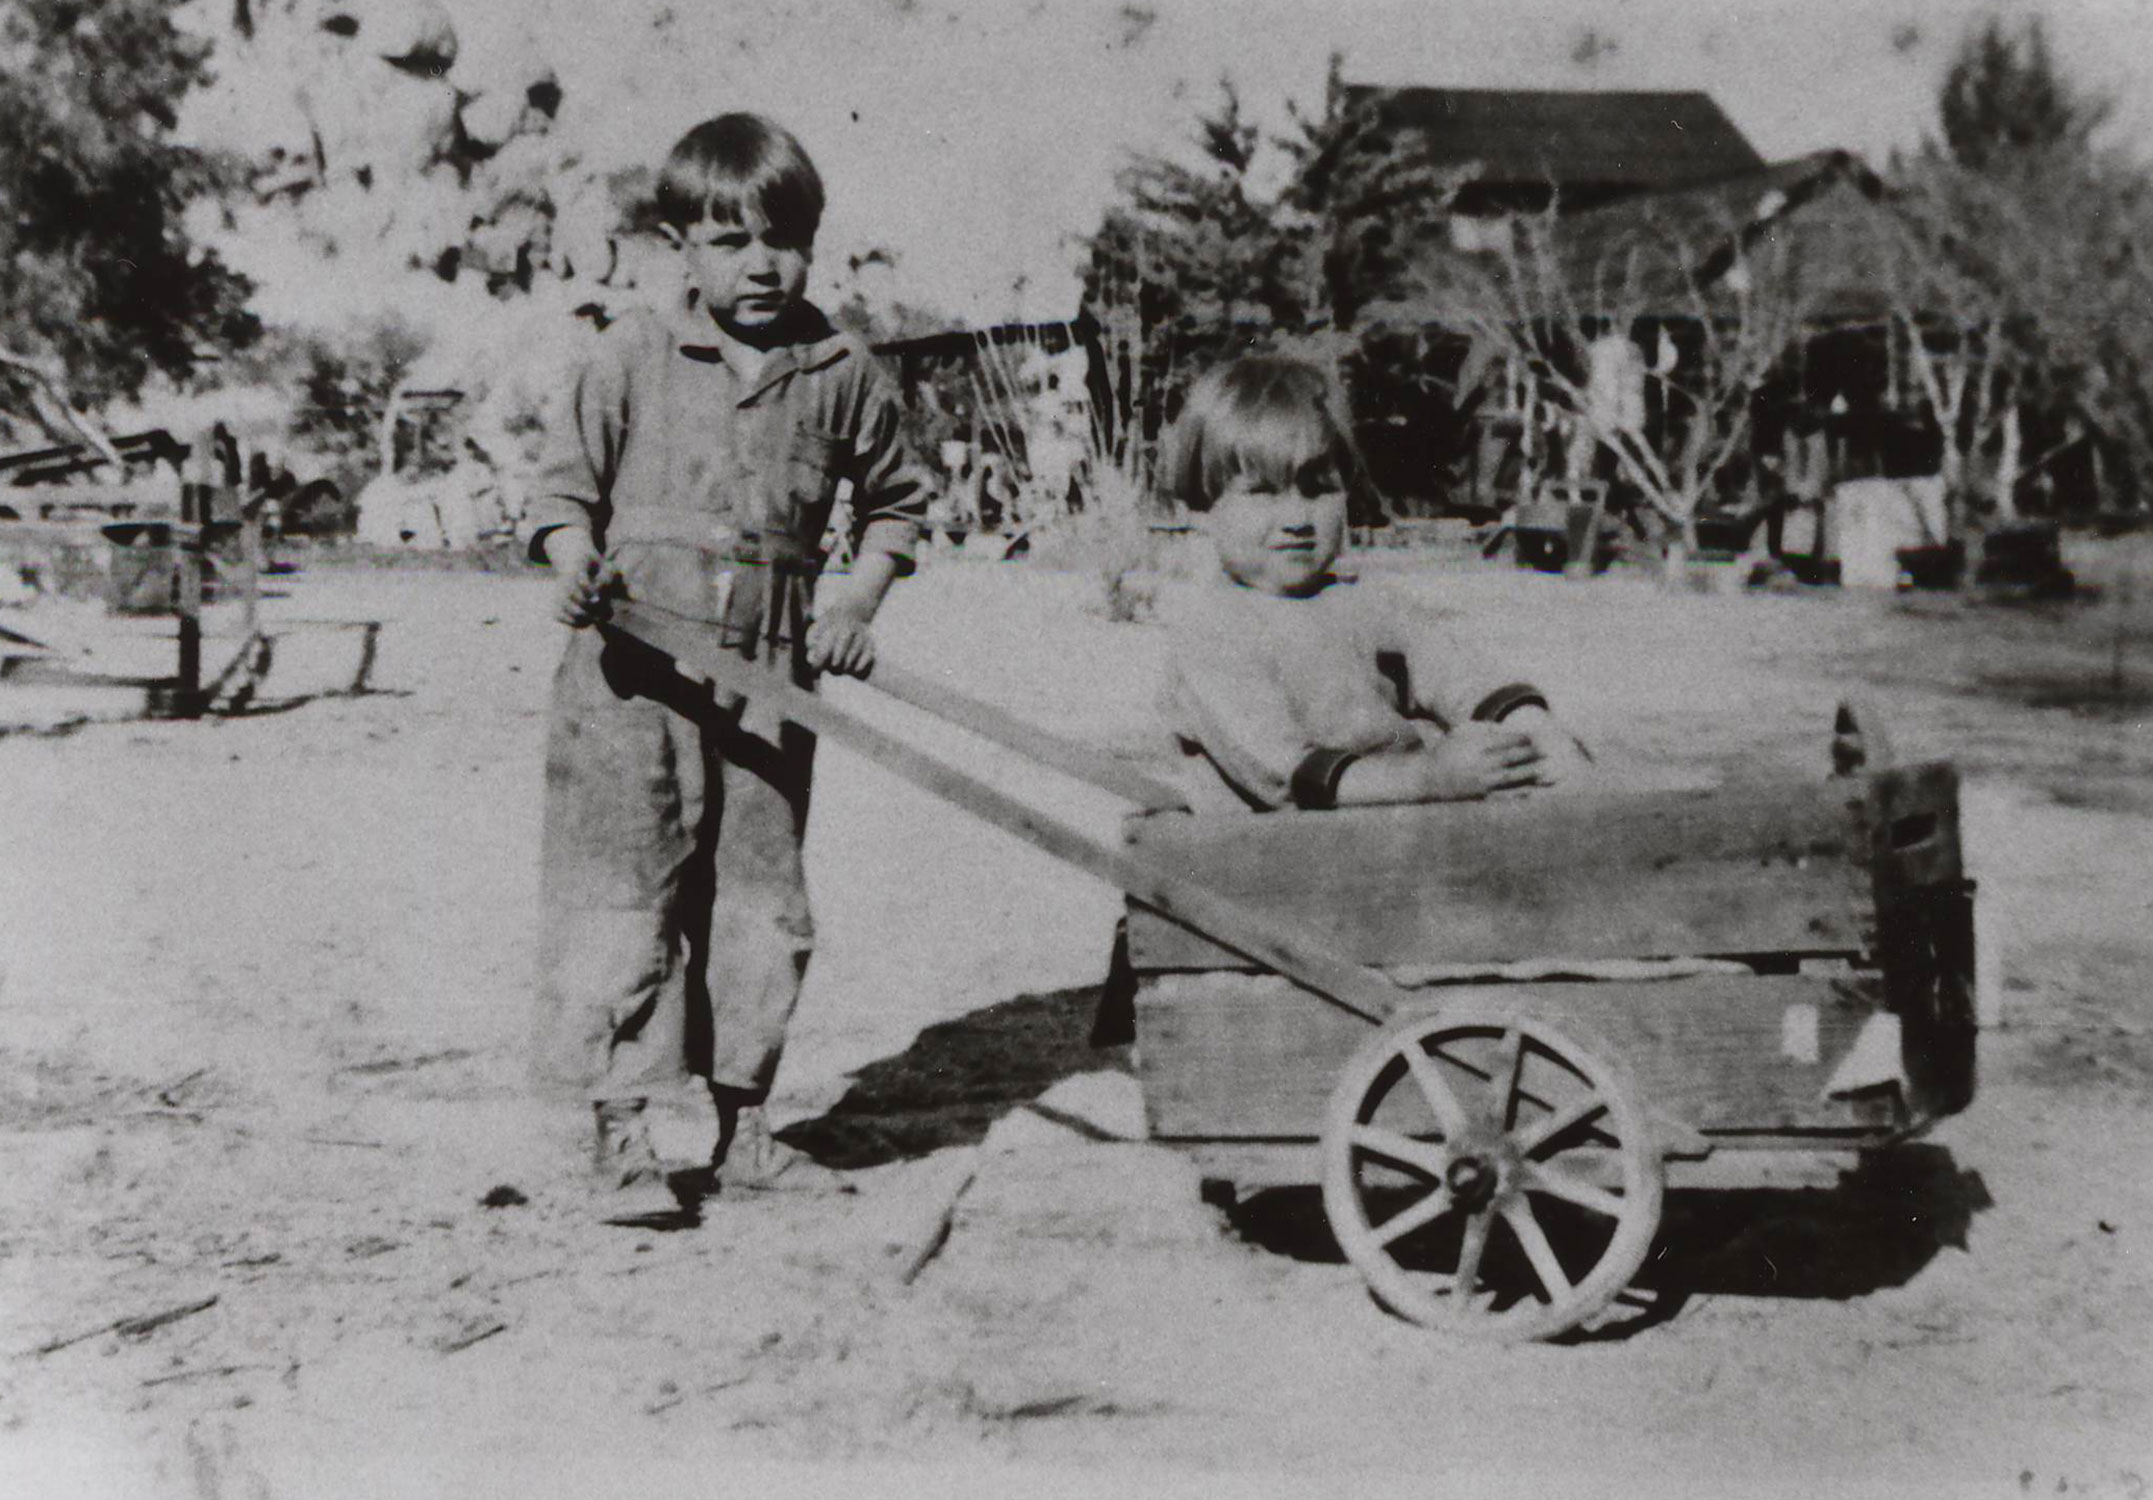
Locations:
(736, 164)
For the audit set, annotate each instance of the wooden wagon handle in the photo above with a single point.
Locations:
(1303, 957)
(1100, 769)
(1085, 763)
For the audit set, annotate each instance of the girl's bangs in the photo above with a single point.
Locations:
(1270, 447)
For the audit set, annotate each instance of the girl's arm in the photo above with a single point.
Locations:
(1473, 761)
(1565, 760)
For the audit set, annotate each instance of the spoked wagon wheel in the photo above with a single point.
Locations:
(1488, 1176)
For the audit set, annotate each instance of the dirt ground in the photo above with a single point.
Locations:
(262, 1008)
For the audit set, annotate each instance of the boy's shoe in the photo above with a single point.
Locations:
(629, 1184)
(748, 1158)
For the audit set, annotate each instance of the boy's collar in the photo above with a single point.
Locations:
(807, 342)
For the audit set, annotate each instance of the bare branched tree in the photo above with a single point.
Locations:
(1950, 271)
(2023, 300)
(1723, 309)
(2020, 292)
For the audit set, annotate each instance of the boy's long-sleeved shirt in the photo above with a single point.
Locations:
(1278, 693)
(665, 452)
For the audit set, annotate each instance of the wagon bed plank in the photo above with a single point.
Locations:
(1715, 1052)
(1772, 868)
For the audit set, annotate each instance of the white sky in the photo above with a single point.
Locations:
(977, 138)
(988, 133)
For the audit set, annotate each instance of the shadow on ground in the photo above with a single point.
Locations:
(1877, 1229)
(956, 1079)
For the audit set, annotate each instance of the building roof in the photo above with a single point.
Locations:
(1599, 138)
(62, 461)
(1823, 213)
(1822, 218)
(963, 343)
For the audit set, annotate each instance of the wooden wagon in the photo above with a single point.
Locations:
(1495, 1033)
(1606, 994)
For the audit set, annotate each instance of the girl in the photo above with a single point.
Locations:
(1298, 687)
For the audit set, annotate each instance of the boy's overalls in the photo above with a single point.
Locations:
(676, 924)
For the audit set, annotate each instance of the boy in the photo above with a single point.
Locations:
(695, 473)
(1299, 689)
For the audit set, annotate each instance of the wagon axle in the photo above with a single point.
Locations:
(1472, 1182)
(1483, 1122)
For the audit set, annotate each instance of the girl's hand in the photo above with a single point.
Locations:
(1564, 760)
(839, 641)
(1476, 760)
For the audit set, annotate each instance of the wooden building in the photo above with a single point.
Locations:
(1591, 147)
(1660, 207)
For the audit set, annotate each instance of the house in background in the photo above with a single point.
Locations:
(1014, 414)
(1661, 203)
(1593, 147)
(1652, 264)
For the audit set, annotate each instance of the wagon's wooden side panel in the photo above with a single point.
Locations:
(1777, 869)
(1924, 930)
(1241, 1056)
(1912, 821)
(1927, 953)
(1850, 891)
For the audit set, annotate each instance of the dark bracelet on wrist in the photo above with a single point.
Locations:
(1315, 781)
(1505, 701)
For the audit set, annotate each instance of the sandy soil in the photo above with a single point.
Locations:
(263, 986)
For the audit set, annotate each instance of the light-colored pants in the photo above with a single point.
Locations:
(676, 927)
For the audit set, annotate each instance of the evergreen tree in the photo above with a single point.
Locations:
(2024, 289)
(2004, 100)
(1188, 268)
(100, 285)
(1200, 261)
(1361, 205)
(1191, 245)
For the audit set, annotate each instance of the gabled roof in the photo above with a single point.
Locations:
(962, 343)
(1823, 217)
(1604, 138)
(61, 461)
(1823, 212)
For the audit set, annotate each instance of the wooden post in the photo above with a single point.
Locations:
(2007, 465)
(386, 445)
(249, 510)
(250, 534)
(187, 595)
(1584, 554)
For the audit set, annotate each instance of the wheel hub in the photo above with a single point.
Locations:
(1488, 1172)
(1472, 1181)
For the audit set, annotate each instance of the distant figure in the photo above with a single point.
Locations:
(1874, 520)
(959, 503)
(1056, 425)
